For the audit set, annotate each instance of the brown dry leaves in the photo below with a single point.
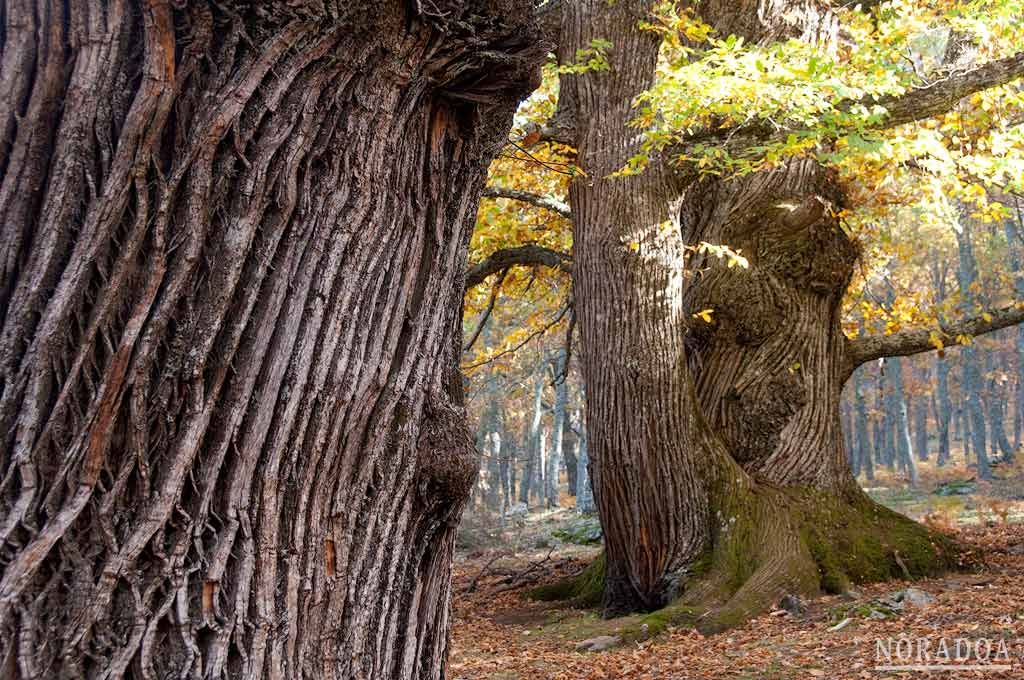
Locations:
(502, 636)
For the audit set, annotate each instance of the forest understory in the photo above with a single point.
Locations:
(501, 633)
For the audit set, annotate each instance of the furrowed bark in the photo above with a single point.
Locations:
(234, 238)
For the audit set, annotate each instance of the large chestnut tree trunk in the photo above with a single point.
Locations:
(721, 476)
(233, 237)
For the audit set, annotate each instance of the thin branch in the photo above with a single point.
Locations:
(528, 255)
(552, 132)
(512, 350)
(536, 200)
(906, 343)
(495, 291)
(564, 373)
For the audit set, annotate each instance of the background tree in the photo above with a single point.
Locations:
(767, 371)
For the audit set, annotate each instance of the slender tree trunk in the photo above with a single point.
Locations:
(569, 448)
(865, 462)
(233, 237)
(570, 451)
(846, 417)
(971, 382)
(558, 427)
(506, 465)
(901, 421)
(1014, 228)
(920, 406)
(943, 410)
(995, 404)
(584, 492)
(533, 474)
(885, 440)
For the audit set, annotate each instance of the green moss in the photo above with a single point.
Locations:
(819, 540)
(856, 539)
(675, 614)
(583, 590)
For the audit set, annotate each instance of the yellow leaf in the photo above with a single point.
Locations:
(704, 314)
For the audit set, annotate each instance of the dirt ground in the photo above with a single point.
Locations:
(499, 634)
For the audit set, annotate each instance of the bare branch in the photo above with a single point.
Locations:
(906, 343)
(495, 292)
(545, 202)
(512, 350)
(528, 255)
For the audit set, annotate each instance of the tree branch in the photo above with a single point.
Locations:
(549, 16)
(552, 204)
(529, 255)
(495, 292)
(926, 101)
(943, 94)
(871, 347)
(556, 131)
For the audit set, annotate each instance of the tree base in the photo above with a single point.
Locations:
(772, 543)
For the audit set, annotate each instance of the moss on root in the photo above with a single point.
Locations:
(582, 590)
(803, 541)
(772, 542)
(855, 540)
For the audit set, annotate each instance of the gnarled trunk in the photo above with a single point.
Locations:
(233, 242)
(720, 470)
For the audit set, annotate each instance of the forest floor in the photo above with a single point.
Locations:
(501, 635)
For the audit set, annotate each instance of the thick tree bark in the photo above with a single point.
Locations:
(233, 240)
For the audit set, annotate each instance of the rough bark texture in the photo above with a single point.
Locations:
(233, 243)
(643, 426)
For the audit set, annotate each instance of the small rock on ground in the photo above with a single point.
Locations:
(599, 644)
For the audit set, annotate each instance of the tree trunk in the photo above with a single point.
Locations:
(558, 428)
(865, 462)
(1014, 229)
(584, 465)
(850, 446)
(885, 441)
(995, 404)
(901, 421)
(920, 408)
(233, 243)
(971, 382)
(686, 418)
(532, 470)
(943, 409)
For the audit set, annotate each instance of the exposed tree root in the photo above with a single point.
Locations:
(769, 543)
